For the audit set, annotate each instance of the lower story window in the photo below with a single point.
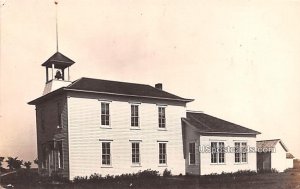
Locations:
(192, 154)
(106, 154)
(60, 154)
(135, 147)
(217, 152)
(240, 155)
(162, 153)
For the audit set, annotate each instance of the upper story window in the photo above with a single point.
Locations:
(217, 152)
(42, 113)
(59, 115)
(134, 115)
(240, 155)
(162, 117)
(192, 153)
(105, 113)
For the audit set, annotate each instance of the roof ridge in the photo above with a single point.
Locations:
(115, 81)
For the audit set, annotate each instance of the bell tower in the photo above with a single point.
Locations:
(57, 72)
(57, 64)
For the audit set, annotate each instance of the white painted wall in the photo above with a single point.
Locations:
(85, 131)
(206, 167)
(289, 163)
(278, 158)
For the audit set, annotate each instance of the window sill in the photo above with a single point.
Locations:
(217, 163)
(135, 128)
(138, 165)
(162, 129)
(105, 127)
(163, 165)
(240, 163)
(108, 166)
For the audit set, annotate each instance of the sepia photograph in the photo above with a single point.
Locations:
(164, 94)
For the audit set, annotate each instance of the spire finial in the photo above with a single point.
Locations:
(56, 2)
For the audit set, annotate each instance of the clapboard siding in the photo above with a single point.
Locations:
(229, 166)
(85, 131)
(51, 133)
(191, 136)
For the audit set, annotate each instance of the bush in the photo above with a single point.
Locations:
(268, 171)
(167, 173)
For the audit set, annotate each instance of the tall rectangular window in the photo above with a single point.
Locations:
(217, 152)
(161, 117)
(237, 154)
(221, 152)
(244, 152)
(134, 115)
(162, 153)
(135, 146)
(42, 119)
(59, 114)
(60, 154)
(106, 153)
(213, 158)
(104, 113)
(192, 154)
(241, 154)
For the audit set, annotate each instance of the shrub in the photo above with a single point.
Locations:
(27, 164)
(14, 163)
(147, 174)
(167, 173)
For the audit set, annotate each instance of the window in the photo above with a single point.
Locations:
(192, 155)
(60, 154)
(134, 115)
(44, 155)
(217, 152)
(244, 152)
(59, 115)
(104, 113)
(162, 153)
(106, 156)
(43, 119)
(240, 154)
(161, 117)
(135, 146)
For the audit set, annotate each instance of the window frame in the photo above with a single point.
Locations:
(135, 153)
(162, 153)
(60, 155)
(107, 153)
(240, 152)
(162, 123)
(216, 154)
(133, 116)
(105, 114)
(192, 153)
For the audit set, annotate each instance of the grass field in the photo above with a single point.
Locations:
(287, 180)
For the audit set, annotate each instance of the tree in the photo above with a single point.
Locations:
(1, 160)
(14, 163)
(27, 164)
(36, 161)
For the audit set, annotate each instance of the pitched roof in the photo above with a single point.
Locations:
(117, 88)
(212, 125)
(289, 156)
(269, 144)
(59, 60)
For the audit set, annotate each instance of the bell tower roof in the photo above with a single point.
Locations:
(59, 61)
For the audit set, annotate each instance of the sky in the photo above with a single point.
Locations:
(239, 60)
